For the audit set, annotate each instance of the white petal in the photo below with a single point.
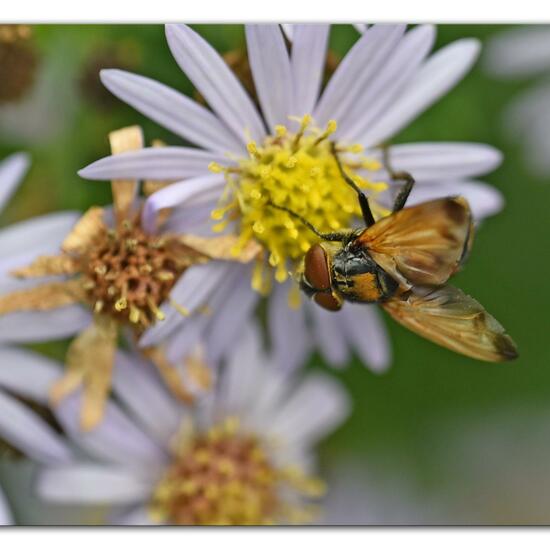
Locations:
(91, 484)
(5, 514)
(12, 171)
(154, 163)
(329, 335)
(136, 384)
(116, 439)
(41, 326)
(240, 381)
(430, 162)
(316, 408)
(388, 83)
(309, 49)
(520, 52)
(22, 242)
(435, 78)
(236, 309)
(288, 330)
(214, 80)
(27, 374)
(271, 72)
(136, 516)
(191, 291)
(367, 334)
(174, 111)
(177, 194)
(26, 431)
(361, 63)
(485, 200)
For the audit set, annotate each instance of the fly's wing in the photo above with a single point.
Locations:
(454, 320)
(422, 244)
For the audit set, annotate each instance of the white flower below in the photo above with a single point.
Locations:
(246, 455)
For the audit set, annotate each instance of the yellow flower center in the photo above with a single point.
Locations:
(225, 477)
(297, 171)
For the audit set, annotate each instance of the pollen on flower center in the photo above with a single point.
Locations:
(128, 274)
(225, 477)
(297, 171)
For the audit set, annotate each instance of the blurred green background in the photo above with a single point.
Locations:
(404, 420)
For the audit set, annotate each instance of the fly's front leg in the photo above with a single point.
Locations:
(402, 176)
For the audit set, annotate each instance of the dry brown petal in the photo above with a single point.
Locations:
(85, 231)
(47, 265)
(220, 248)
(90, 360)
(43, 297)
(124, 191)
(170, 374)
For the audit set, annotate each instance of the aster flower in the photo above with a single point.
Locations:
(284, 156)
(244, 456)
(524, 53)
(110, 264)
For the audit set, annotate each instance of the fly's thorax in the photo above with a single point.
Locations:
(358, 278)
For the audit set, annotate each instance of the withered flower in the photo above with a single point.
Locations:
(109, 263)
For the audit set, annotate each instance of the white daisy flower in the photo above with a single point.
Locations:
(246, 456)
(284, 156)
(524, 53)
(108, 263)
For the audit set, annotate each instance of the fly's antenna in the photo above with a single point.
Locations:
(368, 218)
(335, 237)
(400, 175)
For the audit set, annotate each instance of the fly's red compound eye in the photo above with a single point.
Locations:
(327, 301)
(316, 269)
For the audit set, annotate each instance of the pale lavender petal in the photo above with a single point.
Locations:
(41, 326)
(271, 72)
(329, 335)
(236, 309)
(389, 82)
(195, 220)
(138, 515)
(116, 439)
(191, 291)
(27, 374)
(136, 384)
(309, 49)
(186, 337)
(204, 66)
(12, 171)
(288, 330)
(177, 194)
(430, 162)
(519, 52)
(5, 513)
(26, 431)
(360, 27)
(241, 379)
(154, 163)
(485, 200)
(171, 109)
(317, 406)
(359, 66)
(367, 335)
(436, 77)
(23, 241)
(92, 484)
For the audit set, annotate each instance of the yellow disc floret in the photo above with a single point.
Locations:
(225, 477)
(298, 171)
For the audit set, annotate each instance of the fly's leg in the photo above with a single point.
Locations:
(402, 176)
(368, 218)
